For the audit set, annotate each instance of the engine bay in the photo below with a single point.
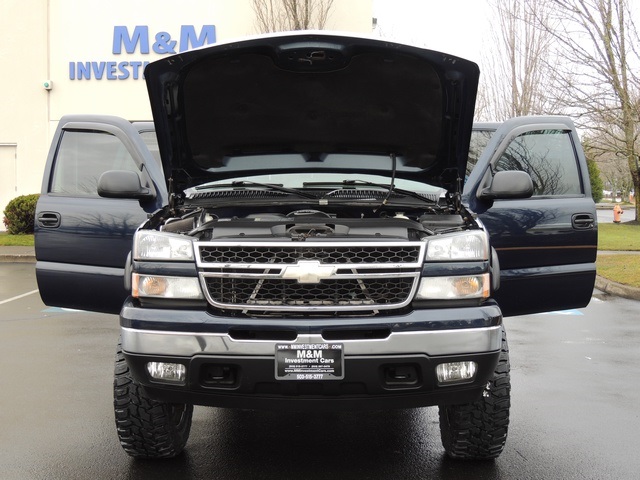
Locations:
(209, 223)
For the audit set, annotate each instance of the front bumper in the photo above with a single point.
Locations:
(231, 361)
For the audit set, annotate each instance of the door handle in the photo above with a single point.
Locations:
(583, 221)
(48, 220)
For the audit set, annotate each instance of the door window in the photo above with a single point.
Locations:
(85, 155)
(549, 157)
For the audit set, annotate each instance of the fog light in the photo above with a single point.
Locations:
(456, 372)
(167, 372)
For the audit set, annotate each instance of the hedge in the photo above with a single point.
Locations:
(19, 214)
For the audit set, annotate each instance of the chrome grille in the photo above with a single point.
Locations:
(289, 293)
(309, 276)
(339, 254)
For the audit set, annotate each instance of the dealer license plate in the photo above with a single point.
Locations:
(309, 361)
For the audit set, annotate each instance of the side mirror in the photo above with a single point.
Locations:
(122, 184)
(507, 184)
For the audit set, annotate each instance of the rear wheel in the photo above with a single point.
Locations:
(478, 430)
(147, 428)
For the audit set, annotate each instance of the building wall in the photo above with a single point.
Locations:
(24, 103)
(92, 53)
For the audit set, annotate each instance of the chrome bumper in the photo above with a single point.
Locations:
(431, 343)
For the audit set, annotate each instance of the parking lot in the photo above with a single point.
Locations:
(574, 410)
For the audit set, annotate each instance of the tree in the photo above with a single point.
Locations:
(519, 66)
(596, 181)
(596, 79)
(612, 169)
(285, 15)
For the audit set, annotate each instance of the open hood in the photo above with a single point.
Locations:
(311, 95)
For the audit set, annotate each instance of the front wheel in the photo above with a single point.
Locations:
(478, 430)
(147, 428)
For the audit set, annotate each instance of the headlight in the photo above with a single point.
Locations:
(152, 245)
(160, 286)
(449, 288)
(459, 246)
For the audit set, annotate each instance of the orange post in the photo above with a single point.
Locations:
(617, 212)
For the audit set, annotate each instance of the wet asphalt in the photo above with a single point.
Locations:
(575, 408)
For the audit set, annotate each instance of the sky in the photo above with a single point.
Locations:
(457, 27)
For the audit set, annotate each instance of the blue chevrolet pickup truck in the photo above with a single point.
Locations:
(312, 221)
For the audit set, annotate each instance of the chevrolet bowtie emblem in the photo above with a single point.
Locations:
(308, 271)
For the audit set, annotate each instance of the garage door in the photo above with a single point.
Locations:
(8, 187)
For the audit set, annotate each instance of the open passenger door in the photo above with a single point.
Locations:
(546, 244)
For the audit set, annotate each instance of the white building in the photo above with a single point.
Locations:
(61, 57)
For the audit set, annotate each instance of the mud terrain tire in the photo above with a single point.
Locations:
(147, 428)
(478, 430)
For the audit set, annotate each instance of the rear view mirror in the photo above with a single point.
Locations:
(507, 184)
(122, 184)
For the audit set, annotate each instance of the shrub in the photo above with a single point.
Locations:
(19, 214)
(596, 181)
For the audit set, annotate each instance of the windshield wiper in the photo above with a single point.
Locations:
(348, 183)
(269, 186)
(392, 189)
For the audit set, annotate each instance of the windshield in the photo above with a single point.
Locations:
(479, 141)
(294, 170)
(306, 180)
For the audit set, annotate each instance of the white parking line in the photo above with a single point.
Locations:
(19, 297)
